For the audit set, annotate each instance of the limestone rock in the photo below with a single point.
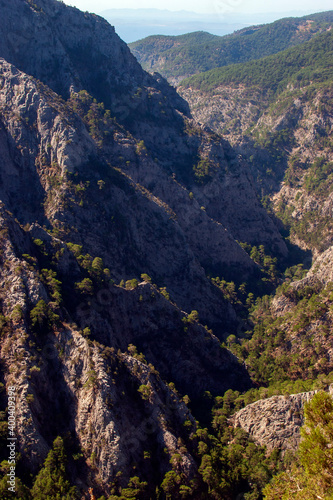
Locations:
(274, 422)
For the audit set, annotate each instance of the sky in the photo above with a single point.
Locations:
(206, 6)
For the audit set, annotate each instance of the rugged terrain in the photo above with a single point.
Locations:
(111, 221)
(274, 422)
(279, 118)
(117, 210)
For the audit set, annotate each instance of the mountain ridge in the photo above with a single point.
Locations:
(186, 59)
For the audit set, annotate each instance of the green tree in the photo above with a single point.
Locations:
(42, 317)
(312, 476)
(85, 286)
(97, 265)
(170, 484)
(51, 482)
(146, 278)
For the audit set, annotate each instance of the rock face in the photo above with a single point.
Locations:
(88, 205)
(285, 140)
(79, 378)
(163, 164)
(81, 51)
(274, 422)
(144, 234)
(322, 268)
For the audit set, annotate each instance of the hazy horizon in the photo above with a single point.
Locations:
(135, 24)
(134, 20)
(217, 7)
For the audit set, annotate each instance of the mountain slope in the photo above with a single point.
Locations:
(112, 224)
(277, 113)
(135, 24)
(106, 69)
(104, 247)
(182, 56)
(66, 325)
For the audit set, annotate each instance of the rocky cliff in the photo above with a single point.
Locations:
(106, 247)
(274, 422)
(117, 208)
(282, 126)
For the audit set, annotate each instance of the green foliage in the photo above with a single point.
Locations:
(319, 179)
(301, 65)
(134, 353)
(21, 491)
(146, 278)
(316, 448)
(97, 266)
(42, 318)
(165, 293)
(40, 247)
(228, 289)
(141, 148)
(75, 249)
(136, 489)
(199, 52)
(203, 171)
(17, 314)
(289, 346)
(49, 277)
(145, 391)
(51, 482)
(313, 228)
(97, 119)
(131, 284)
(85, 286)
(86, 332)
(310, 478)
(193, 317)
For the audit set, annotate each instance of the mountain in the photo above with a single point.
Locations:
(179, 57)
(277, 111)
(146, 291)
(107, 255)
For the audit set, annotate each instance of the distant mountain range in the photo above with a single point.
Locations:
(135, 24)
(178, 57)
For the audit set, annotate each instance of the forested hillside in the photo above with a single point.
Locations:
(179, 57)
(277, 111)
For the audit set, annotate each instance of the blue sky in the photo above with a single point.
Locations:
(208, 6)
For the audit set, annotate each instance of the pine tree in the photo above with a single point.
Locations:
(312, 477)
(51, 482)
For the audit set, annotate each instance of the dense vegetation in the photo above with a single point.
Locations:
(288, 136)
(297, 66)
(198, 52)
(311, 476)
(293, 345)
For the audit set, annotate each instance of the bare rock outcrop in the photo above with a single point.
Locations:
(322, 268)
(274, 422)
